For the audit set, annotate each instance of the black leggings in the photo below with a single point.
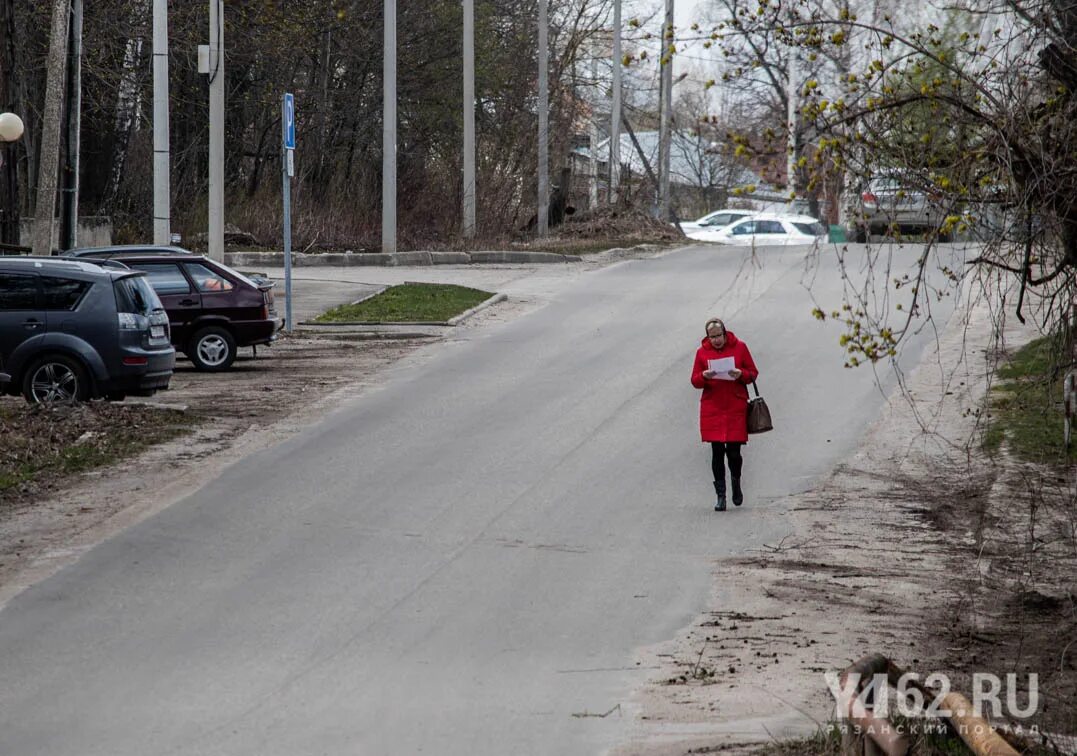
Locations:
(720, 450)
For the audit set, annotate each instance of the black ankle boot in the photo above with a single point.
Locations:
(738, 495)
(719, 488)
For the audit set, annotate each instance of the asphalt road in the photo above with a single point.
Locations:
(461, 561)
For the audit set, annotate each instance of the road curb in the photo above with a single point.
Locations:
(396, 259)
(491, 301)
(335, 333)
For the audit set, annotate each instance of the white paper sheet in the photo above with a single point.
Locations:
(722, 366)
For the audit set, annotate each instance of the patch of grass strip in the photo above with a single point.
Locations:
(1026, 404)
(415, 303)
(826, 741)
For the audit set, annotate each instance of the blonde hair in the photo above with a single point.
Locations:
(713, 323)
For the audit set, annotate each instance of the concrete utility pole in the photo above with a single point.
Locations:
(162, 221)
(615, 108)
(543, 215)
(216, 129)
(596, 97)
(469, 119)
(665, 127)
(791, 117)
(69, 226)
(388, 141)
(45, 207)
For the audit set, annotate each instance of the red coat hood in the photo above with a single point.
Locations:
(730, 341)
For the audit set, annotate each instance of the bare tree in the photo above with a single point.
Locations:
(975, 105)
(128, 97)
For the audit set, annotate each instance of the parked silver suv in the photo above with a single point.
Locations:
(71, 331)
(888, 204)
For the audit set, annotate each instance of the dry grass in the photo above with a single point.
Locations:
(40, 445)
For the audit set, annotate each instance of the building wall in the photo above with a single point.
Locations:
(94, 231)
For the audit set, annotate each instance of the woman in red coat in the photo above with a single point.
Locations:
(723, 407)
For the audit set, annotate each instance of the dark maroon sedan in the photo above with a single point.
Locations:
(212, 309)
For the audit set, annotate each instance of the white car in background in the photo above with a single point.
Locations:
(713, 221)
(766, 230)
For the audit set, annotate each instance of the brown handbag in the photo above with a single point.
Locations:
(758, 414)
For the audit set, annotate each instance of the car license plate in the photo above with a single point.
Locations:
(157, 331)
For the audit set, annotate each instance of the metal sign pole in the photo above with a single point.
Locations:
(287, 171)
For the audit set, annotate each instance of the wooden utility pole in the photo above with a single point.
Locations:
(45, 207)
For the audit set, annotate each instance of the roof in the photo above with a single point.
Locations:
(128, 249)
(782, 216)
(66, 264)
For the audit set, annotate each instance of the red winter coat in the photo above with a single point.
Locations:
(723, 407)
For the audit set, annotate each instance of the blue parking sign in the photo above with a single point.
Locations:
(288, 121)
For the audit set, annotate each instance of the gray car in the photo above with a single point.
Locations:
(888, 204)
(71, 331)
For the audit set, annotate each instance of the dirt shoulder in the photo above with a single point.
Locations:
(917, 547)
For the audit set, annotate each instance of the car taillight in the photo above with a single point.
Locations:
(129, 321)
(136, 360)
(265, 312)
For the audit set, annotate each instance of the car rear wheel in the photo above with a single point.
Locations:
(55, 379)
(212, 349)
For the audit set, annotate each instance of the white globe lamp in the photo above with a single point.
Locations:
(10, 127)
